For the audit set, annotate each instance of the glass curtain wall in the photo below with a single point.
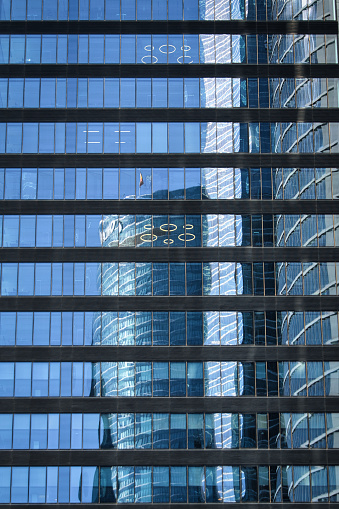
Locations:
(203, 333)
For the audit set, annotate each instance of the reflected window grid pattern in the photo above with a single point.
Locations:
(174, 379)
(161, 137)
(163, 183)
(169, 431)
(129, 278)
(168, 49)
(157, 10)
(168, 231)
(195, 328)
(163, 484)
(168, 92)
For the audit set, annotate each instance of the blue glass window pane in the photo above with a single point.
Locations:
(30, 139)
(128, 48)
(5, 484)
(112, 49)
(177, 279)
(7, 379)
(127, 10)
(178, 484)
(160, 482)
(21, 431)
(195, 381)
(4, 90)
(63, 485)
(17, 49)
(4, 49)
(7, 328)
(19, 492)
(90, 487)
(33, 49)
(38, 431)
(178, 378)
(15, 93)
(52, 483)
(178, 431)
(160, 379)
(108, 484)
(143, 484)
(196, 477)
(5, 10)
(14, 135)
(40, 379)
(126, 485)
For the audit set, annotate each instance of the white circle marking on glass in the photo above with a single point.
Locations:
(169, 229)
(151, 58)
(168, 46)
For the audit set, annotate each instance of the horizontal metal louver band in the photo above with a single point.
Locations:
(170, 71)
(240, 160)
(154, 254)
(173, 303)
(169, 27)
(242, 353)
(231, 206)
(170, 115)
(181, 405)
(170, 457)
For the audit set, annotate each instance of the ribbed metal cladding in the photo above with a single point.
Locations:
(170, 207)
(166, 457)
(169, 160)
(197, 254)
(170, 115)
(242, 404)
(169, 27)
(170, 353)
(174, 303)
(170, 71)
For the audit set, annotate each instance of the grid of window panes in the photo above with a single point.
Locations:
(168, 183)
(168, 49)
(168, 92)
(163, 328)
(148, 278)
(168, 137)
(169, 379)
(125, 10)
(210, 230)
(163, 484)
(115, 10)
(169, 430)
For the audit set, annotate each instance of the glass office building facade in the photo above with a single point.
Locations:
(169, 262)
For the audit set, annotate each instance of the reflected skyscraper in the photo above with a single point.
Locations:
(169, 275)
